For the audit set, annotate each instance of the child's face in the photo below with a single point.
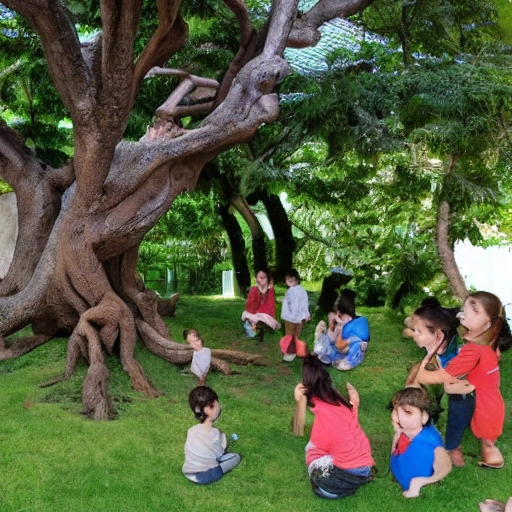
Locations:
(194, 341)
(474, 317)
(262, 279)
(422, 336)
(213, 411)
(290, 281)
(409, 419)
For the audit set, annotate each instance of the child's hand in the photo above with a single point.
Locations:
(299, 392)
(394, 420)
(353, 395)
(458, 387)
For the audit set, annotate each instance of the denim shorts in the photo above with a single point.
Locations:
(206, 477)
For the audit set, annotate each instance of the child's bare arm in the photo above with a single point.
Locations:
(425, 376)
(397, 428)
(413, 374)
(458, 387)
(353, 396)
(299, 417)
(442, 467)
(394, 443)
(299, 392)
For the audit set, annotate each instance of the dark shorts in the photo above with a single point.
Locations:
(207, 477)
(336, 482)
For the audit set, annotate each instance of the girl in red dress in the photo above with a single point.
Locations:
(260, 307)
(487, 335)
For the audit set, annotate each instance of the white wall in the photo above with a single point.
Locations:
(488, 269)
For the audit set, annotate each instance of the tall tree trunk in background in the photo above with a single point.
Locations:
(284, 242)
(259, 246)
(445, 251)
(238, 252)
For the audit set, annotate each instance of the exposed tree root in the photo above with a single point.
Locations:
(221, 365)
(21, 346)
(236, 357)
(167, 307)
(97, 331)
(178, 353)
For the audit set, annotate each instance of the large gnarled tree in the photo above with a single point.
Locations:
(80, 225)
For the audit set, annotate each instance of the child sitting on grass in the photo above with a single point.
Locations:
(205, 458)
(338, 454)
(201, 357)
(418, 457)
(345, 342)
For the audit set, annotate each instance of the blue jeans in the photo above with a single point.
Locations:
(227, 462)
(332, 482)
(460, 412)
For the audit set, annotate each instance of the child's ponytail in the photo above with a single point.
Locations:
(504, 341)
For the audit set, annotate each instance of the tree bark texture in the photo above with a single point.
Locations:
(238, 250)
(259, 246)
(446, 254)
(281, 226)
(80, 225)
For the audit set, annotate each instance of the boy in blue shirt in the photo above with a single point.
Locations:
(418, 457)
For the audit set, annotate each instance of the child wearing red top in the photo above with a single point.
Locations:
(338, 454)
(260, 307)
(487, 335)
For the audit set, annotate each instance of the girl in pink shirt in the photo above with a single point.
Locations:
(338, 454)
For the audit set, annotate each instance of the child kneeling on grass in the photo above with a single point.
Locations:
(418, 456)
(205, 458)
(338, 454)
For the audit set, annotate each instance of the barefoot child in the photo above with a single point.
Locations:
(201, 357)
(338, 454)
(205, 458)
(487, 334)
(418, 457)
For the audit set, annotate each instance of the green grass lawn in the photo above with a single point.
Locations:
(52, 459)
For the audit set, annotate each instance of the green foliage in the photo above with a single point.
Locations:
(28, 99)
(398, 137)
(190, 241)
(504, 20)
(4, 187)
(430, 27)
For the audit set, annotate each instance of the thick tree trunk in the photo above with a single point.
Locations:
(283, 238)
(238, 251)
(445, 251)
(259, 246)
